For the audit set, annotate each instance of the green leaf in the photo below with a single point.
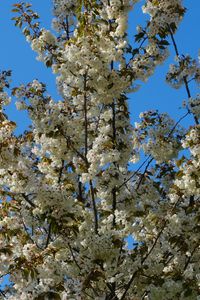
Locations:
(139, 36)
(188, 292)
(164, 42)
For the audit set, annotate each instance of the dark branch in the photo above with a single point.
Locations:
(48, 236)
(94, 207)
(73, 256)
(185, 77)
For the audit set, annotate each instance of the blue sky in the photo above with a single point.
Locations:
(16, 54)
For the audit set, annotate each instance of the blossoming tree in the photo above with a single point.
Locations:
(69, 187)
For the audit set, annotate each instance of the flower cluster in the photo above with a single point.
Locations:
(188, 180)
(164, 14)
(185, 70)
(158, 136)
(194, 106)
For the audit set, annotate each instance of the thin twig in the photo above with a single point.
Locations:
(143, 174)
(48, 236)
(80, 190)
(2, 293)
(60, 172)
(185, 77)
(129, 284)
(85, 115)
(28, 200)
(86, 151)
(148, 254)
(176, 124)
(128, 179)
(114, 195)
(73, 256)
(151, 159)
(28, 234)
(94, 207)
(190, 257)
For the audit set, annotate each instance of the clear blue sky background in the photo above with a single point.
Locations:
(16, 54)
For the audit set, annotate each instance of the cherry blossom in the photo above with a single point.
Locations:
(71, 192)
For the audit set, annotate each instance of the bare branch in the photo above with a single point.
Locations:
(94, 207)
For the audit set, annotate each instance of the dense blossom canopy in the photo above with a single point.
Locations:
(70, 192)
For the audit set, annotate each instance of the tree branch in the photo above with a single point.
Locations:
(143, 174)
(128, 179)
(48, 236)
(94, 207)
(185, 77)
(114, 202)
(85, 116)
(73, 256)
(148, 254)
(28, 201)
